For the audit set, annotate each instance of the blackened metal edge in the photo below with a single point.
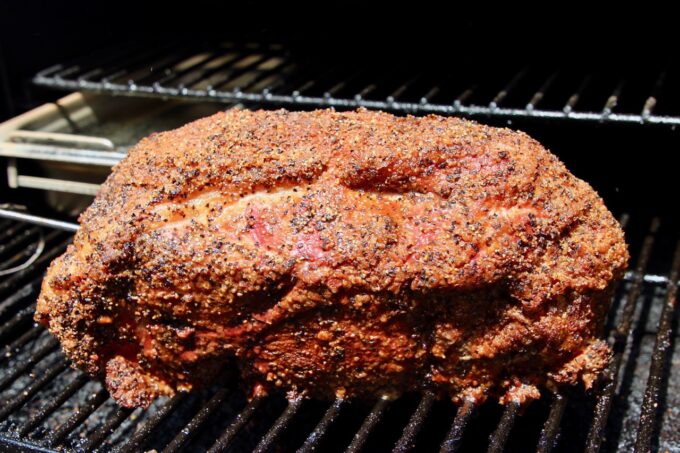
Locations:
(649, 410)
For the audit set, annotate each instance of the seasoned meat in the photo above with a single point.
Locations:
(330, 253)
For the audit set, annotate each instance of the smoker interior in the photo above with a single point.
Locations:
(627, 158)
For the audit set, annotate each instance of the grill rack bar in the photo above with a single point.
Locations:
(56, 437)
(651, 101)
(369, 423)
(662, 344)
(21, 318)
(552, 424)
(11, 231)
(23, 446)
(43, 351)
(540, 93)
(241, 419)
(20, 296)
(96, 439)
(192, 427)
(53, 404)
(34, 387)
(331, 414)
(502, 432)
(415, 423)
(621, 334)
(460, 421)
(279, 425)
(203, 75)
(18, 240)
(138, 439)
(161, 83)
(17, 344)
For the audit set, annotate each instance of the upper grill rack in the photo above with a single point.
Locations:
(46, 406)
(271, 76)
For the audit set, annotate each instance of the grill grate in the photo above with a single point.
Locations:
(620, 334)
(268, 75)
(46, 406)
(328, 418)
(455, 434)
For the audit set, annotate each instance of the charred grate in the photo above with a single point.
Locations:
(269, 75)
(46, 406)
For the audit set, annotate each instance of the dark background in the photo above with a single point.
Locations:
(632, 166)
(38, 34)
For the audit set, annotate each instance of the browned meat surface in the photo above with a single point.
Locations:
(338, 254)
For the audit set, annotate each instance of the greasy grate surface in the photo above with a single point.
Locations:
(271, 75)
(47, 406)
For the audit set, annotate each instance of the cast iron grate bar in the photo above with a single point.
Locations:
(235, 74)
(162, 67)
(498, 99)
(138, 439)
(574, 98)
(263, 75)
(415, 423)
(53, 404)
(369, 423)
(540, 93)
(112, 60)
(45, 258)
(313, 440)
(516, 99)
(241, 419)
(12, 231)
(552, 424)
(502, 432)
(57, 436)
(96, 439)
(613, 99)
(189, 79)
(18, 240)
(36, 356)
(189, 431)
(127, 63)
(19, 321)
(651, 101)
(178, 78)
(20, 297)
(19, 317)
(314, 81)
(279, 425)
(621, 333)
(13, 444)
(662, 344)
(20, 342)
(455, 435)
(34, 387)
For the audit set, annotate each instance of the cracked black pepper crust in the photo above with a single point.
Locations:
(334, 253)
